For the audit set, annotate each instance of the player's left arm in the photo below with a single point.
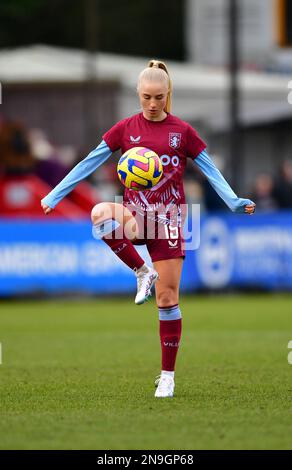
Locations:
(222, 188)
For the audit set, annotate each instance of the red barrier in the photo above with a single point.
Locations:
(20, 196)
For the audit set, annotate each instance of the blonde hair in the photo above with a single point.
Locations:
(157, 71)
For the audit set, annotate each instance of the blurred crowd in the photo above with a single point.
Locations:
(28, 151)
(271, 192)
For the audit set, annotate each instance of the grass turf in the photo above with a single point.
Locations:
(79, 375)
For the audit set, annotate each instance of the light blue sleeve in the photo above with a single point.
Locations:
(83, 169)
(218, 182)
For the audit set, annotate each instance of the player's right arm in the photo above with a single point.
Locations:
(83, 169)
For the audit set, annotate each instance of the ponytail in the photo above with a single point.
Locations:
(157, 70)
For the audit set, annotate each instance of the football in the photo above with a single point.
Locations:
(139, 168)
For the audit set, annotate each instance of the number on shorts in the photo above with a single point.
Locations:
(171, 233)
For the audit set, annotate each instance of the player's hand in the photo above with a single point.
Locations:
(244, 206)
(250, 209)
(46, 208)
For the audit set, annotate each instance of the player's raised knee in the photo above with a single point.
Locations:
(101, 212)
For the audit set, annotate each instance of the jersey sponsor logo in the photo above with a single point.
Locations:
(135, 140)
(174, 140)
(166, 159)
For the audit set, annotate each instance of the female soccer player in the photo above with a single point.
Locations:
(121, 226)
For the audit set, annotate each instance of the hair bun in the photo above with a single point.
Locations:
(154, 63)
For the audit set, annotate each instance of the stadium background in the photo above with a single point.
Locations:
(73, 346)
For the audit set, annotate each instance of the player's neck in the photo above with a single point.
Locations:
(158, 118)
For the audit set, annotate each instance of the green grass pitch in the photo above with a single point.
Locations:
(79, 374)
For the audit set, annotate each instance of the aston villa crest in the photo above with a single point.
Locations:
(174, 140)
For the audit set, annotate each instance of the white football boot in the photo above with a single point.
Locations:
(146, 277)
(165, 386)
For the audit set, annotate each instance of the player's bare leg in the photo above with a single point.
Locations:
(167, 298)
(105, 211)
(167, 287)
(117, 227)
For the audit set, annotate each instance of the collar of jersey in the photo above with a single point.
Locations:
(155, 122)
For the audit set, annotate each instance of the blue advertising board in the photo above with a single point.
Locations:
(243, 251)
(60, 256)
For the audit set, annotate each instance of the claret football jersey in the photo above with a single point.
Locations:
(173, 140)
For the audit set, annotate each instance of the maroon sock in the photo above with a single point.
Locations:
(170, 334)
(125, 250)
